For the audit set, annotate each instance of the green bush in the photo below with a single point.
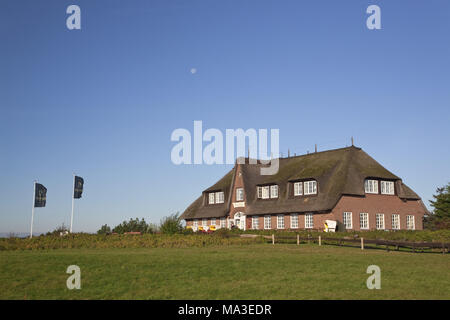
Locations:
(171, 225)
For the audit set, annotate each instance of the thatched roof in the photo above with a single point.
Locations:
(337, 172)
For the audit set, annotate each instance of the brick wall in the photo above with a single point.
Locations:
(377, 203)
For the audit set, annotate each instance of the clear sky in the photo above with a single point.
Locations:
(103, 101)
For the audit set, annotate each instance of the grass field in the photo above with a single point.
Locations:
(259, 271)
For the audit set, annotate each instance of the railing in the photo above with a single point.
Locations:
(414, 246)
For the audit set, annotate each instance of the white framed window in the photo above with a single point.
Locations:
(219, 197)
(410, 223)
(387, 187)
(205, 222)
(294, 221)
(310, 187)
(195, 223)
(280, 221)
(371, 186)
(395, 221)
(267, 222)
(211, 198)
(274, 191)
(223, 222)
(364, 220)
(239, 194)
(255, 222)
(379, 221)
(259, 192)
(347, 219)
(265, 192)
(213, 221)
(298, 188)
(309, 222)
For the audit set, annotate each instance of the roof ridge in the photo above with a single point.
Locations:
(302, 155)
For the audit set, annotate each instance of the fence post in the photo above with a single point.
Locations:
(362, 243)
(273, 238)
(298, 239)
(320, 240)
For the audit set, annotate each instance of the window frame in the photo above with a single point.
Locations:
(280, 221)
(408, 222)
(267, 222)
(309, 221)
(195, 223)
(345, 220)
(371, 184)
(265, 192)
(366, 215)
(398, 223)
(255, 226)
(295, 216)
(213, 221)
(211, 196)
(239, 194)
(376, 221)
(218, 194)
(384, 184)
(272, 188)
(298, 188)
(306, 187)
(223, 222)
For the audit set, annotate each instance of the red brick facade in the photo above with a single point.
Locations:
(370, 204)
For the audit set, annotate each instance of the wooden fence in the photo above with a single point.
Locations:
(388, 244)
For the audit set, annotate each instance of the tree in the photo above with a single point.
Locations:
(62, 229)
(171, 224)
(134, 225)
(105, 229)
(440, 217)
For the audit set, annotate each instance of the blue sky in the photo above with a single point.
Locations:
(103, 101)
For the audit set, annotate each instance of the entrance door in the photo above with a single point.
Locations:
(239, 220)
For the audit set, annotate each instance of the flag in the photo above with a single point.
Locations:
(40, 195)
(78, 187)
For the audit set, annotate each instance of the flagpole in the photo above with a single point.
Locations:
(32, 209)
(73, 194)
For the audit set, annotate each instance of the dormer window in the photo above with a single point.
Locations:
(310, 187)
(387, 187)
(211, 198)
(305, 188)
(274, 191)
(298, 188)
(371, 186)
(215, 197)
(266, 192)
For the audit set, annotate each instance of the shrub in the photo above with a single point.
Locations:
(105, 229)
(171, 224)
(134, 225)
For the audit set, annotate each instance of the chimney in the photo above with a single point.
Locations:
(352, 142)
(315, 146)
(289, 153)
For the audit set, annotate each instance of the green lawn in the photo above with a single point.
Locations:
(260, 271)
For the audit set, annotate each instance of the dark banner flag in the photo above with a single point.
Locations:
(40, 195)
(78, 187)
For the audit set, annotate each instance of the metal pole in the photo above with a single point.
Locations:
(73, 194)
(32, 209)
